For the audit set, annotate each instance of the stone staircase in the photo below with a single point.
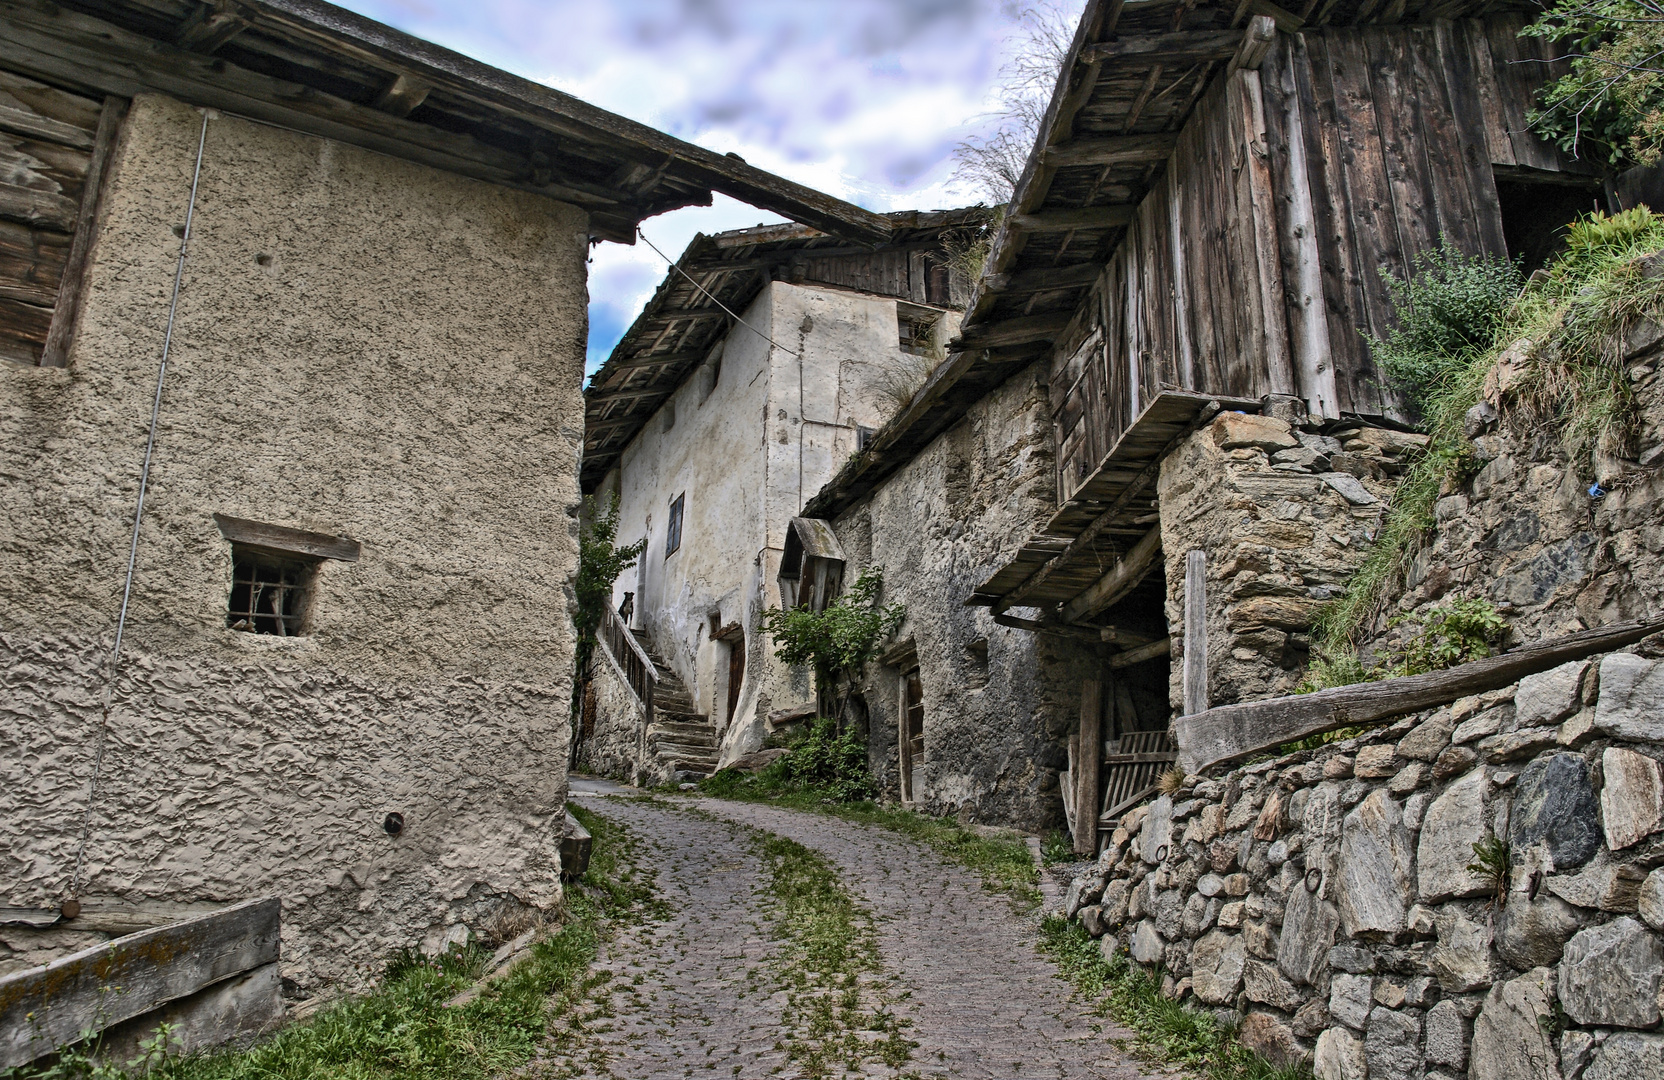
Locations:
(681, 738)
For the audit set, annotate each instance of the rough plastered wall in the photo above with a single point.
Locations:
(1524, 531)
(998, 702)
(364, 347)
(1327, 902)
(1284, 515)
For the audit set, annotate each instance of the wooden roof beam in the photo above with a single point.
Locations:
(1014, 331)
(210, 26)
(403, 96)
(1045, 279)
(1089, 217)
(1179, 47)
(1114, 150)
(1122, 578)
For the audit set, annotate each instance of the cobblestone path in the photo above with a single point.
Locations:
(695, 996)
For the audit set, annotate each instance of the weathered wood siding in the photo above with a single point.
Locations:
(1254, 265)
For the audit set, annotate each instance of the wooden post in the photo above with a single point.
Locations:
(1087, 762)
(1195, 632)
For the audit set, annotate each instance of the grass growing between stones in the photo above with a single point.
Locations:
(836, 1016)
(1167, 1031)
(403, 1028)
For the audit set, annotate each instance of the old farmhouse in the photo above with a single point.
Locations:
(294, 309)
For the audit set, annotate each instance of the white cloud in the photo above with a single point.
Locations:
(863, 99)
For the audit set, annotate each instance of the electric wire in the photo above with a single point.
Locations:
(114, 661)
(708, 295)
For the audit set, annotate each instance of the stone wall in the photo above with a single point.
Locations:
(1284, 515)
(1328, 900)
(999, 703)
(364, 347)
(614, 746)
(1526, 532)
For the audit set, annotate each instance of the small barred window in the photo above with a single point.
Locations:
(269, 593)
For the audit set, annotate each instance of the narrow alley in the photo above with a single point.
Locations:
(703, 992)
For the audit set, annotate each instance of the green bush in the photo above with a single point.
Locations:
(1448, 312)
(1610, 105)
(824, 764)
(840, 640)
(1445, 636)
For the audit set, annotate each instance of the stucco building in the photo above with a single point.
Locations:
(344, 665)
(767, 358)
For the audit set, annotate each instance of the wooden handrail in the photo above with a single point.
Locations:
(632, 659)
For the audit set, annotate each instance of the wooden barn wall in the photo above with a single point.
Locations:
(1253, 266)
(1383, 141)
(1192, 296)
(919, 276)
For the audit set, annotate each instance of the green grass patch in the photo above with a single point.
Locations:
(1003, 861)
(1167, 1031)
(403, 1027)
(836, 1015)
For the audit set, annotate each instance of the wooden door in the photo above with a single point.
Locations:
(912, 729)
(736, 670)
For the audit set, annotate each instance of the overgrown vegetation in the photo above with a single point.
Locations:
(1491, 865)
(1610, 105)
(600, 561)
(993, 161)
(824, 766)
(1168, 1031)
(836, 1015)
(839, 641)
(404, 1027)
(1558, 342)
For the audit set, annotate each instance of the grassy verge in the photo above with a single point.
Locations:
(404, 1029)
(1003, 862)
(1167, 1031)
(836, 1015)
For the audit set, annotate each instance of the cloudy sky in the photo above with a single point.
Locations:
(864, 99)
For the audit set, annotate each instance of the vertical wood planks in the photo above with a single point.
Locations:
(1195, 670)
(1087, 761)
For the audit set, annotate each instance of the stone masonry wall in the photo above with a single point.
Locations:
(1326, 899)
(1525, 533)
(1284, 516)
(999, 702)
(613, 746)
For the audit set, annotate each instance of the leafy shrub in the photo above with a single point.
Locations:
(1449, 634)
(841, 640)
(1448, 311)
(1610, 105)
(823, 764)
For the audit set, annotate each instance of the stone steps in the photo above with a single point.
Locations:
(680, 736)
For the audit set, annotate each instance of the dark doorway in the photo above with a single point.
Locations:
(912, 729)
(736, 670)
(1537, 210)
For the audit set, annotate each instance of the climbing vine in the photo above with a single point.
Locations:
(841, 640)
(600, 561)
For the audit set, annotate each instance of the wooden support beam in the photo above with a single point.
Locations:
(1232, 732)
(1195, 673)
(55, 352)
(1013, 331)
(284, 540)
(1122, 578)
(1114, 150)
(48, 1007)
(34, 207)
(403, 96)
(1256, 42)
(1086, 767)
(1079, 633)
(1090, 217)
(1141, 654)
(1179, 47)
(1045, 278)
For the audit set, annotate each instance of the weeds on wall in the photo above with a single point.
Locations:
(1560, 344)
(1168, 1031)
(404, 1028)
(840, 641)
(600, 561)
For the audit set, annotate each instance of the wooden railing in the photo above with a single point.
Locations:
(630, 657)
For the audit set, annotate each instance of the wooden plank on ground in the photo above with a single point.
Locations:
(1232, 732)
(50, 1006)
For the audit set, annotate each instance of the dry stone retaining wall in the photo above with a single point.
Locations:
(1326, 899)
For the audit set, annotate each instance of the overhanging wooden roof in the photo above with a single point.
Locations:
(683, 321)
(1131, 79)
(326, 71)
(1113, 510)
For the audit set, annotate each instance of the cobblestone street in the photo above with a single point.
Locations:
(695, 994)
